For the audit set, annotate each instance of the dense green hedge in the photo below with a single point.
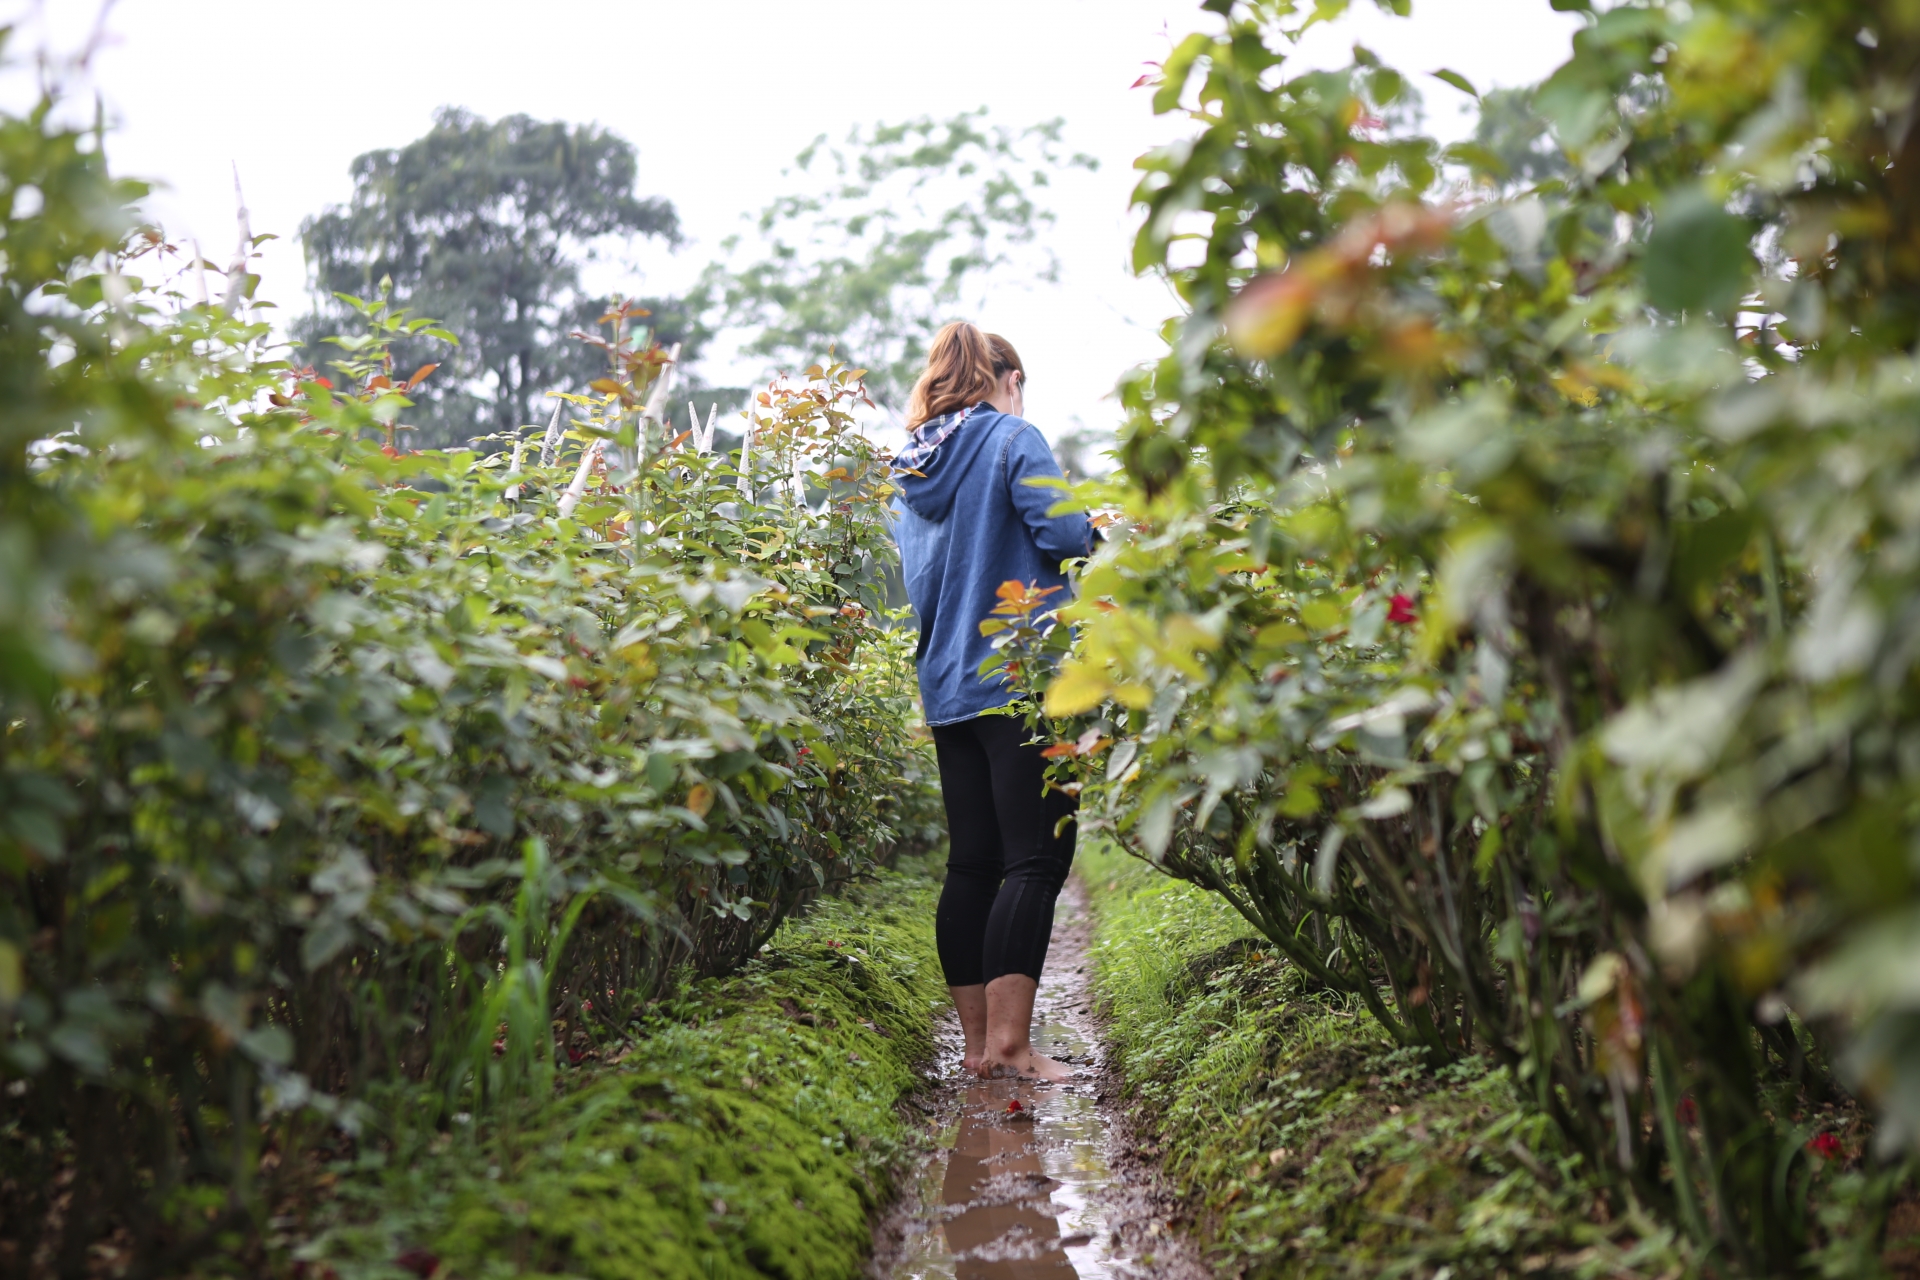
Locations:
(333, 772)
(748, 1128)
(1512, 598)
(1305, 1143)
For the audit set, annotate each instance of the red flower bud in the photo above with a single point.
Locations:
(419, 1261)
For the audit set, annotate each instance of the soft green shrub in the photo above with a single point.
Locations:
(333, 772)
(1510, 608)
(749, 1128)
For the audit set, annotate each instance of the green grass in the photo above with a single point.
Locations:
(1303, 1144)
(750, 1129)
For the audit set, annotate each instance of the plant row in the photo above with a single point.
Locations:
(1511, 605)
(1303, 1141)
(750, 1126)
(334, 772)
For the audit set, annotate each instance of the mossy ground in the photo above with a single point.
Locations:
(1305, 1146)
(749, 1130)
(1303, 1143)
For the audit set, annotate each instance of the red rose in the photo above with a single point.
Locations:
(1400, 609)
(1825, 1145)
(419, 1261)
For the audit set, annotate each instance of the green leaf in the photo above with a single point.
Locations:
(1697, 258)
(325, 941)
(268, 1045)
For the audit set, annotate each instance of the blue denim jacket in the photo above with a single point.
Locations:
(969, 525)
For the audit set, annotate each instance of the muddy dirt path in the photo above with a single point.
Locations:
(1049, 1189)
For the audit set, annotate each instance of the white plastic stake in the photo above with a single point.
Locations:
(237, 269)
(746, 460)
(657, 400)
(550, 443)
(519, 451)
(200, 272)
(578, 489)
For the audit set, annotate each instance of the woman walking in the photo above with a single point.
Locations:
(967, 521)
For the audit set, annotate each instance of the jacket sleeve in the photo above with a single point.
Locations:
(1029, 458)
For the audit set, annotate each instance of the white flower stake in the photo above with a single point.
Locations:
(746, 460)
(550, 443)
(200, 271)
(657, 402)
(703, 438)
(519, 451)
(578, 489)
(237, 269)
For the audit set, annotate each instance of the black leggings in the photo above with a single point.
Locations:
(1005, 864)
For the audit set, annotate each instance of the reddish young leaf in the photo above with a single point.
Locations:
(419, 1261)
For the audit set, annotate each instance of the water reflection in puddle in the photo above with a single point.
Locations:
(1015, 1192)
(1015, 1198)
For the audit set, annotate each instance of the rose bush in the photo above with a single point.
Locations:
(335, 773)
(1510, 605)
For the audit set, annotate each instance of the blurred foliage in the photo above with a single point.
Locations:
(869, 258)
(1511, 597)
(333, 771)
(1519, 144)
(486, 226)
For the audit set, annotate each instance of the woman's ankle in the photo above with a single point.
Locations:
(1008, 1049)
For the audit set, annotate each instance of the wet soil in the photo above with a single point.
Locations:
(1024, 1180)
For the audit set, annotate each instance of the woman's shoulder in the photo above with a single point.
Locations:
(1006, 426)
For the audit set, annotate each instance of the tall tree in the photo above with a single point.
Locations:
(485, 227)
(886, 242)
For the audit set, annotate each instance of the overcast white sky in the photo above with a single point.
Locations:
(718, 97)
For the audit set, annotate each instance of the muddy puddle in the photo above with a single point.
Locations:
(1033, 1181)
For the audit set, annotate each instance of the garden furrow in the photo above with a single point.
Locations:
(1023, 1180)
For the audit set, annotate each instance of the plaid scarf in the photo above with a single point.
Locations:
(928, 436)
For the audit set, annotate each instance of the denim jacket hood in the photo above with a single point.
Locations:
(965, 525)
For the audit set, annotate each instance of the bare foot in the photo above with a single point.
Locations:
(974, 1064)
(1027, 1066)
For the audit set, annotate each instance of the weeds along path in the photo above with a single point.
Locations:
(1299, 1142)
(749, 1130)
(1031, 1181)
